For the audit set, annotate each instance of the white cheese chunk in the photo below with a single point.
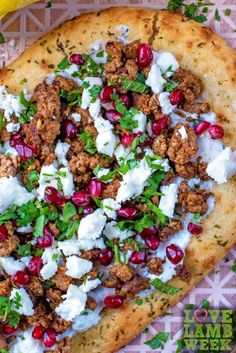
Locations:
(23, 342)
(155, 79)
(27, 307)
(69, 247)
(76, 117)
(84, 322)
(223, 166)
(142, 122)
(110, 206)
(123, 154)
(77, 267)
(61, 151)
(101, 172)
(11, 127)
(208, 148)
(166, 107)
(12, 193)
(10, 104)
(210, 117)
(166, 60)
(122, 32)
(183, 133)
(50, 259)
(88, 244)
(94, 108)
(90, 285)
(10, 265)
(105, 140)
(86, 97)
(134, 181)
(112, 231)
(73, 305)
(92, 225)
(68, 73)
(169, 199)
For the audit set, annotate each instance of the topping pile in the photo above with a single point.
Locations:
(106, 172)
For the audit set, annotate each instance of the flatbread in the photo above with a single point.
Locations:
(198, 49)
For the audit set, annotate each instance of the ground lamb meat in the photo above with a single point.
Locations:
(155, 106)
(196, 108)
(186, 171)
(61, 280)
(181, 150)
(5, 287)
(34, 287)
(115, 52)
(82, 165)
(64, 83)
(41, 316)
(54, 229)
(130, 69)
(193, 201)
(201, 169)
(141, 102)
(90, 254)
(174, 227)
(3, 343)
(9, 165)
(9, 245)
(60, 325)
(53, 297)
(122, 271)
(46, 154)
(130, 50)
(136, 285)
(112, 282)
(63, 346)
(111, 189)
(159, 145)
(189, 84)
(47, 100)
(155, 265)
(91, 303)
(183, 273)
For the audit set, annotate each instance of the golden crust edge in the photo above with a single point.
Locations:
(119, 327)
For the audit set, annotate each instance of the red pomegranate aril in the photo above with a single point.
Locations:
(138, 257)
(159, 125)
(125, 99)
(174, 253)
(25, 150)
(144, 55)
(176, 96)
(95, 188)
(152, 242)
(201, 127)
(106, 93)
(35, 265)
(148, 231)
(127, 140)
(7, 329)
(37, 332)
(15, 140)
(88, 210)
(3, 233)
(113, 301)
(113, 116)
(127, 212)
(49, 337)
(77, 59)
(20, 278)
(216, 132)
(81, 198)
(195, 228)
(53, 196)
(47, 239)
(69, 129)
(106, 256)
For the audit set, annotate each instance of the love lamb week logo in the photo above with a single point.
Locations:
(208, 330)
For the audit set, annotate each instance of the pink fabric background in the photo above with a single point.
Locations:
(20, 29)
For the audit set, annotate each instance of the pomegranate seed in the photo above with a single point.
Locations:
(69, 129)
(176, 96)
(113, 301)
(127, 212)
(20, 278)
(15, 140)
(53, 196)
(49, 337)
(25, 150)
(138, 257)
(81, 198)
(46, 240)
(195, 228)
(113, 116)
(152, 242)
(174, 253)
(216, 132)
(105, 95)
(37, 332)
(88, 210)
(125, 99)
(148, 231)
(127, 140)
(35, 265)
(3, 233)
(77, 59)
(144, 55)
(159, 125)
(106, 256)
(201, 127)
(7, 329)
(95, 187)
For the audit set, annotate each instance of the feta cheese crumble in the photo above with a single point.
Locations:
(105, 140)
(166, 106)
(11, 127)
(183, 133)
(27, 307)
(10, 265)
(167, 63)
(10, 104)
(110, 206)
(24, 342)
(91, 226)
(142, 122)
(50, 258)
(61, 151)
(223, 166)
(168, 199)
(155, 79)
(77, 267)
(112, 231)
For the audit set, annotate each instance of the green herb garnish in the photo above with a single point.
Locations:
(158, 340)
(89, 142)
(134, 86)
(64, 64)
(2, 39)
(94, 92)
(24, 250)
(1, 121)
(28, 112)
(68, 211)
(164, 288)
(8, 309)
(38, 228)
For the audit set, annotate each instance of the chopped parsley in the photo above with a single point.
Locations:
(1, 121)
(196, 217)
(73, 97)
(217, 15)
(8, 309)
(2, 350)
(120, 106)
(64, 63)
(117, 254)
(140, 77)
(89, 142)
(28, 112)
(33, 177)
(170, 86)
(38, 228)
(134, 86)
(158, 340)
(68, 211)
(94, 92)
(139, 301)
(2, 39)
(234, 266)
(128, 122)
(164, 288)
(24, 250)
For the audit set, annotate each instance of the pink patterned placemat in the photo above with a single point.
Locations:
(21, 28)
